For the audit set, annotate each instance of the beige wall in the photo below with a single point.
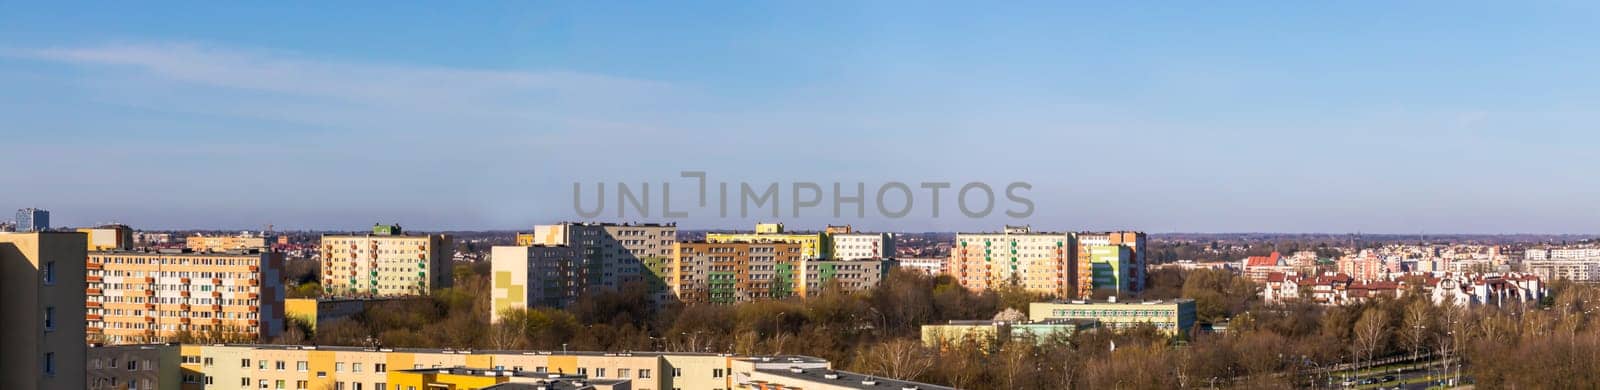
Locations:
(25, 297)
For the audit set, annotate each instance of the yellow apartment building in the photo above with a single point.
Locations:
(149, 296)
(386, 262)
(42, 294)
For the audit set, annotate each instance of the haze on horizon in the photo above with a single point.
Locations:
(1376, 117)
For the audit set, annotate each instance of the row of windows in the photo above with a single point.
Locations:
(174, 261)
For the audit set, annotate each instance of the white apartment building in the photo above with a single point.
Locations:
(857, 246)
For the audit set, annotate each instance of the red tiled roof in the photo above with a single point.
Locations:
(1263, 261)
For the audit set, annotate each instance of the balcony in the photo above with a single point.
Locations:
(149, 319)
(183, 280)
(216, 307)
(183, 307)
(184, 293)
(149, 306)
(92, 279)
(94, 266)
(216, 294)
(183, 320)
(255, 282)
(92, 291)
(216, 281)
(255, 309)
(92, 317)
(255, 268)
(91, 304)
(148, 280)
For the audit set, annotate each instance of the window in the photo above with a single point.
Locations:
(716, 373)
(49, 318)
(208, 362)
(382, 386)
(338, 367)
(280, 364)
(644, 373)
(278, 384)
(583, 371)
(49, 363)
(322, 374)
(299, 384)
(600, 373)
(300, 366)
(380, 367)
(623, 373)
(677, 372)
(244, 363)
(49, 273)
(355, 367)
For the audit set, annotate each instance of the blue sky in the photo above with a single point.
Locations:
(1429, 117)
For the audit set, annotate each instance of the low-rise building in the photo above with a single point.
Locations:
(783, 373)
(988, 332)
(243, 241)
(376, 368)
(1174, 317)
(930, 266)
(109, 237)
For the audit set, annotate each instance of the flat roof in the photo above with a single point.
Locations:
(848, 379)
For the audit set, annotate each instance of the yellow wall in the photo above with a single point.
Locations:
(302, 308)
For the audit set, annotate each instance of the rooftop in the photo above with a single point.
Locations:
(847, 379)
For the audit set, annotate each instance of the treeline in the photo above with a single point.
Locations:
(1548, 345)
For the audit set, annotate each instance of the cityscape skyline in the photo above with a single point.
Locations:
(1160, 118)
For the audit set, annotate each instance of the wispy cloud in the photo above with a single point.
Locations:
(294, 87)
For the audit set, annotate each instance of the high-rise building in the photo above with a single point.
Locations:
(386, 262)
(33, 220)
(1105, 268)
(729, 272)
(151, 296)
(109, 237)
(1039, 262)
(614, 254)
(42, 294)
(532, 276)
(1138, 264)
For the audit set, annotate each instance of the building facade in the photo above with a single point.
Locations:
(151, 296)
(812, 245)
(135, 367)
(245, 240)
(1044, 263)
(1175, 317)
(42, 294)
(851, 245)
(109, 237)
(533, 276)
(930, 266)
(1106, 268)
(386, 262)
(729, 272)
(1137, 263)
(32, 220)
(613, 254)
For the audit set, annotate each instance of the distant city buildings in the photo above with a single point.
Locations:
(1442, 288)
(385, 262)
(42, 294)
(32, 220)
(152, 296)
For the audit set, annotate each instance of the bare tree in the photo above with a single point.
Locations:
(1415, 325)
(1371, 331)
(900, 359)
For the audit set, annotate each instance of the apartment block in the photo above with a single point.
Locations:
(851, 245)
(109, 237)
(851, 275)
(1106, 268)
(42, 294)
(245, 240)
(1174, 317)
(1138, 264)
(135, 367)
(149, 296)
(613, 254)
(812, 245)
(730, 272)
(931, 266)
(1040, 262)
(385, 262)
(533, 276)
